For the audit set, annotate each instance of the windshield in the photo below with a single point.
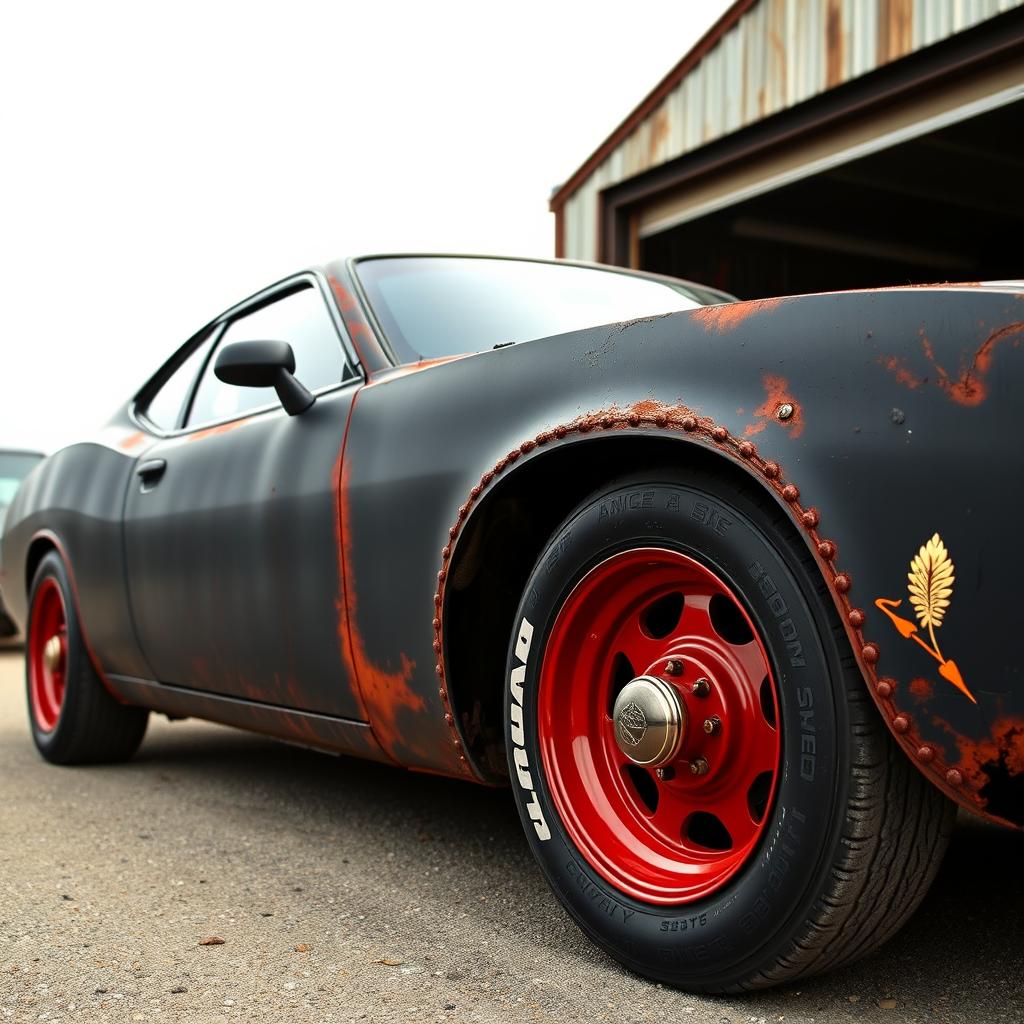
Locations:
(435, 306)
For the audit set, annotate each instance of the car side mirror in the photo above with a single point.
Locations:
(264, 364)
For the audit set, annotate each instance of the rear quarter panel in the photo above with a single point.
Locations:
(74, 500)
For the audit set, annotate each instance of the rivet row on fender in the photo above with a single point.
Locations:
(840, 583)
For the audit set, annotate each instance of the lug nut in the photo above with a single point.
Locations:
(699, 766)
(712, 725)
(666, 774)
(674, 667)
(701, 688)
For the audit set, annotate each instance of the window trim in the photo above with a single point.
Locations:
(215, 329)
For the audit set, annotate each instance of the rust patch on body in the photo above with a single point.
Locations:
(898, 368)
(383, 694)
(409, 368)
(728, 316)
(220, 428)
(992, 767)
(1001, 752)
(131, 440)
(778, 393)
(969, 387)
(356, 324)
(921, 688)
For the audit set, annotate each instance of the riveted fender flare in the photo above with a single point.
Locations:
(686, 425)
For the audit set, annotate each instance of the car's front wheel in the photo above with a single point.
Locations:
(696, 760)
(74, 718)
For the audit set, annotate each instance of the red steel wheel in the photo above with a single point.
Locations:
(658, 725)
(47, 655)
(75, 719)
(697, 764)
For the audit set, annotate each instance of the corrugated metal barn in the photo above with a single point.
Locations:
(808, 145)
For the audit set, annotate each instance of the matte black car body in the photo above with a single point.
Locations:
(347, 589)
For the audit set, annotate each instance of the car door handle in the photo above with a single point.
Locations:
(150, 472)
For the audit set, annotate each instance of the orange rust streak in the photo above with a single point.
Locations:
(221, 428)
(778, 393)
(895, 366)
(382, 693)
(728, 316)
(408, 368)
(970, 388)
(131, 440)
(355, 323)
(1004, 744)
(921, 688)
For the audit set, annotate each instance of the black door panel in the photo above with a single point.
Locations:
(232, 558)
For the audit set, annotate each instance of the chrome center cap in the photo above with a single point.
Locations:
(650, 720)
(52, 653)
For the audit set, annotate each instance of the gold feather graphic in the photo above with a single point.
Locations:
(931, 585)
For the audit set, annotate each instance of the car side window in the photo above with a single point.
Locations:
(165, 408)
(299, 318)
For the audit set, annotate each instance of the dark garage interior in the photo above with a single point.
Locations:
(945, 206)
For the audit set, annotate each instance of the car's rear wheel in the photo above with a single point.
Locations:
(698, 765)
(74, 718)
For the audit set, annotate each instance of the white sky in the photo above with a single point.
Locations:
(162, 162)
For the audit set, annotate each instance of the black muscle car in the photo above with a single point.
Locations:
(725, 591)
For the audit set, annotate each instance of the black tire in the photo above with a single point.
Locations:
(852, 841)
(92, 726)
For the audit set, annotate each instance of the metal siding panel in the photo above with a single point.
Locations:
(708, 108)
(754, 42)
(732, 74)
(677, 119)
(775, 65)
(775, 56)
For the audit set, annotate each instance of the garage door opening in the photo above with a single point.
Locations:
(944, 206)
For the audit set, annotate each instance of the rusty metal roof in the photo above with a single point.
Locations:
(761, 57)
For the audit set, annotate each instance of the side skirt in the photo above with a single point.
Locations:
(321, 732)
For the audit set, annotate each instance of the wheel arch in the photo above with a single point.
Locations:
(471, 671)
(498, 543)
(41, 545)
(44, 542)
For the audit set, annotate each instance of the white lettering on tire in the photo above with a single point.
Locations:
(519, 755)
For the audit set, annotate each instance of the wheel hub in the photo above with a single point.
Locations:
(53, 653)
(650, 721)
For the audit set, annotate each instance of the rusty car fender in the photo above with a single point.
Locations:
(899, 406)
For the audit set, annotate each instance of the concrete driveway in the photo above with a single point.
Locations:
(347, 891)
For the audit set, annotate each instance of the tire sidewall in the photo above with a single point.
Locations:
(723, 938)
(52, 744)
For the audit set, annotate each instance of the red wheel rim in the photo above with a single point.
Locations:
(47, 655)
(675, 836)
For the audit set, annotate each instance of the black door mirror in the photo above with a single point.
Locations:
(264, 364)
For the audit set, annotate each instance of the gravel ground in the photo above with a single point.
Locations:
(348, 891)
